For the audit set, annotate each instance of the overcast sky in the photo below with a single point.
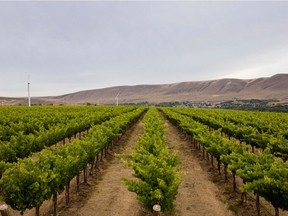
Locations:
(70, 46)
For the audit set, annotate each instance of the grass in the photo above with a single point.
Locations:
(233, 208)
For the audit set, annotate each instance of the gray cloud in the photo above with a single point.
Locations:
(71, 46)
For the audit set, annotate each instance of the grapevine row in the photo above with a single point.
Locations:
(31, 120)
(22, 145)
(262, 173)
(155, 165)
(248, 133)
(29, 182)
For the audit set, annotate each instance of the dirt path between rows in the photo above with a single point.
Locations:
(197, 195)
(108, 196)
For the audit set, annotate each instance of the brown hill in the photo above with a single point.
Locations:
(275, 87)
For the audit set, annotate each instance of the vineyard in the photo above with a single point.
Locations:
(226, 139)
(27, 183)
(45, 150)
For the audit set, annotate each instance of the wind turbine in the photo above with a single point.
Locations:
(117, 99)
(29, 99)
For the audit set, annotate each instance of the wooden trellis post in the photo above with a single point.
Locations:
(4, 210)
(156, 210)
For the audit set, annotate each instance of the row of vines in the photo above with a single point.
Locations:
(25, 130)
(27, 183)
(259, 129)
(262, 173)
(155, 166)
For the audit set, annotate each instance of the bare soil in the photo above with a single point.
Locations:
(107, 195)
(197, 195)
